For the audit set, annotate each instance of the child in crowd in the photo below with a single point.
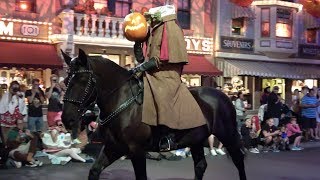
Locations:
(294, 134)
(249, 136)
(284, 141)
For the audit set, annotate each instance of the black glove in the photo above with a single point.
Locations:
(138, 53)
(149, 65)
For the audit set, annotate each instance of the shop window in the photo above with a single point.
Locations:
(265, 22)
(237, 26)
(284, 23)
(26, 6)
(184, 13)
(122, 7)
(311, 36)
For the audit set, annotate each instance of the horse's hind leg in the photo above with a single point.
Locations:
(106, 158)
(199, 160)
(237, 156)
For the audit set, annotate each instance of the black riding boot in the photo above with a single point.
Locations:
(167, 143)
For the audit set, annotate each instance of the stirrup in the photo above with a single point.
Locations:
(166, 144)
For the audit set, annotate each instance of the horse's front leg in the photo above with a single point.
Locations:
(138, 159)
(106, 158)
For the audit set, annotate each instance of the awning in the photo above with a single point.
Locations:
(239, 12)
(270, 69)
(200, 65)
(310, 21)
(27, 55)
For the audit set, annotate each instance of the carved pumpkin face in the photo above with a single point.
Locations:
(135, 27)
(243, 3)
(312, 7)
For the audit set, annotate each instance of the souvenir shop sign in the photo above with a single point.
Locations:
(309, 51)
(23, 30)
(199, 45)
(237, 44)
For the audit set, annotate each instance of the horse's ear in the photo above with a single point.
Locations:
(66, 58)
(82, 57)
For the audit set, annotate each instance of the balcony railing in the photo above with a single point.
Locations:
(98, 26)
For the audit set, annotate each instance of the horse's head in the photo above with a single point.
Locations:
(81, 91)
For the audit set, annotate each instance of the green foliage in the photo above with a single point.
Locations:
(156, 17)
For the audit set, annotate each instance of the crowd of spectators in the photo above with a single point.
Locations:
(20, 142)
(280, 127)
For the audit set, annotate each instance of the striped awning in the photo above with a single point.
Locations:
(239, 12)
(310, 21)
(269, 69)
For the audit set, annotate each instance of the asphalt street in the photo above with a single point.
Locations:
(303, 165)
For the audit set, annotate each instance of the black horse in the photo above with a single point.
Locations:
(118, 94)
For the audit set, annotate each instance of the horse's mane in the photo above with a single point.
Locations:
(106, 65)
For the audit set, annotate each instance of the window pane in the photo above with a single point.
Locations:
(283, 30)
(180, 4)
(184, 19)
(118, 9)
(114, 58)
(125, 10)
(122, 9)
(265, 29)
(186, 4)
(25, 6)
(265, 15)
(311, 36)
(237, 25)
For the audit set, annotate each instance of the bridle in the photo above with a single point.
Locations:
(89, 92)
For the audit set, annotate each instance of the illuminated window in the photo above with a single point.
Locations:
(237, 26)
(284, 23)
(265, 22)
(311, 36)
(26, 5)
(184, 13)
(122, 7)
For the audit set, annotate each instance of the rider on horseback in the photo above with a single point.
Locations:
(167, 101)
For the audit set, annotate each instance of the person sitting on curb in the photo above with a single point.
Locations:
(58, 144)
(249, 136)
(22, 147)
(270, 135)
(294, 134)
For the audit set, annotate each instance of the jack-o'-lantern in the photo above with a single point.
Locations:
(243, 3)
(312, 7)
(135, 27)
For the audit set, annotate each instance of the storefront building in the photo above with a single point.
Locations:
(26, 50)
(97, 29)
(258, 46)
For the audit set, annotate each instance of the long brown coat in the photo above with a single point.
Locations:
(167, 101)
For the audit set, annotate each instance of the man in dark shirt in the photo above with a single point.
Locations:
(274, 106)
(35, 98)
(270, 134)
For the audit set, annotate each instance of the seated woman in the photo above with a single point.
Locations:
(249, 136)
(22, 147)
(57, 142)
(294, 133)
